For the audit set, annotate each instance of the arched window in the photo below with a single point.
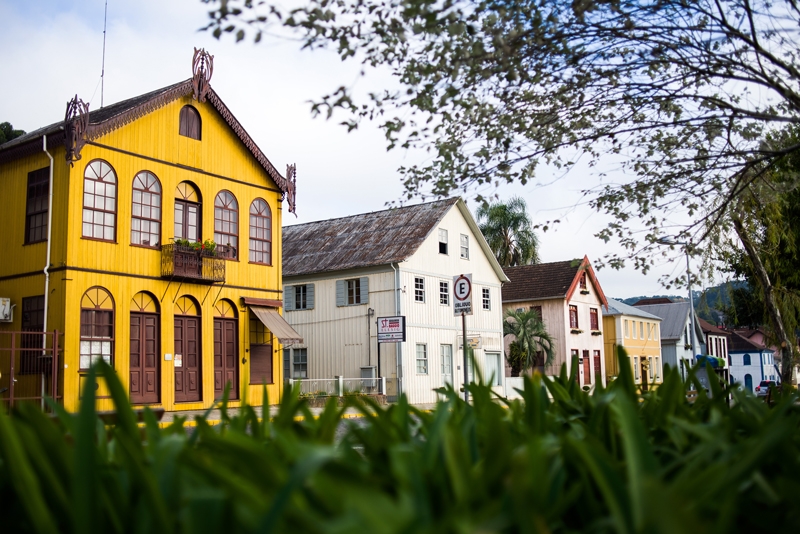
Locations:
(260, 232)
(99, 201)
(746, 359)
(146, 210)
(97, 327)
(188, 379)
(187, 213)
(748, 382)
(226, 225)
(190, 125)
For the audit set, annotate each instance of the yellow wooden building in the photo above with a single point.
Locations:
(640, 333)
(113, 258)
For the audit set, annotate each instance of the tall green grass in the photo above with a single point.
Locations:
(558, 460)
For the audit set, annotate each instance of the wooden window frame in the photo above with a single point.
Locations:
(190, 124)
(486, 298)
(353, 291)
(444, 293)
(260, 246)
(594, 319)
(442, 241)
(222, 207)
(419, 289)
(583, 281)
(422, 361)
(37, 206)
(538, 309)
(573, 317)
(89, 326)
(298, 365)
(301, 297)
(464, 242)
(32, 321)
(94, 211)
(146, 191)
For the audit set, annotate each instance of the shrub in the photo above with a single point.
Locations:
(558, 460)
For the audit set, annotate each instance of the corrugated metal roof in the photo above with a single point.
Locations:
(673, 318)
(365, 240)
(616, 307)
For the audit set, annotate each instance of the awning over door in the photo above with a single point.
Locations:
(277, 325)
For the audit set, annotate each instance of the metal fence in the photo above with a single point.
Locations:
(339, 386)
(30, 367)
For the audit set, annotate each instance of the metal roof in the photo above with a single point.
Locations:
(616, 307)
(370, 239)
(673, 317)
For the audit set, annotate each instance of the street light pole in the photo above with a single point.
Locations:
(692, 326)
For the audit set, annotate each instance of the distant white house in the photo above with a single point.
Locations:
(751, 362)
(341, 275)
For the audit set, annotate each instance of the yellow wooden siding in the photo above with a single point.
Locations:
(149, 143)
(614, 332)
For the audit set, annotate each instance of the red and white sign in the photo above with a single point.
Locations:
(391, 329)
(462, 294)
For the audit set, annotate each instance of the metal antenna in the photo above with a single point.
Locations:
(103, 71)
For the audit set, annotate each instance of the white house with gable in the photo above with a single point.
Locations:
(341, 275)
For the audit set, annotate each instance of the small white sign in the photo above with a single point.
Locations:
(179, 360)
(167, 356)
(462, 294)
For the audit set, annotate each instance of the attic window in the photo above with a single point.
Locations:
(190, 123)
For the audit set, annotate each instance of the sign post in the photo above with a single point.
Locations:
(390, 330)
(462, 305)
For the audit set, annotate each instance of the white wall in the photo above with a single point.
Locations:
(336, 337)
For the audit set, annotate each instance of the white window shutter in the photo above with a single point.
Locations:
(364, 283)
(341, 293)
(309, 296)
(288, 298)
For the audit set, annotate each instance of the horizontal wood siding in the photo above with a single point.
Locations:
(150, 143)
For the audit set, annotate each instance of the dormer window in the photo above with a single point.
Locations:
(190, 123)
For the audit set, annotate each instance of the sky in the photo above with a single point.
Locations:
(53, 50)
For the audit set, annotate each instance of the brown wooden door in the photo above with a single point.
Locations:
(587, 368)
(226, 356)
(597, 366)
(188, 372)
(145, 363)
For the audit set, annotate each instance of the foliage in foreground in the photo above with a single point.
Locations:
(609, 461)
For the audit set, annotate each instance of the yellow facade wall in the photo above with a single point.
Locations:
(217, 162)
(647, 346)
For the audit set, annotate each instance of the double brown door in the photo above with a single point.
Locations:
(145, 362)
(187, 359)
(226, 365)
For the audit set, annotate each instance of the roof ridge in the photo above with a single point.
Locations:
(452, 199)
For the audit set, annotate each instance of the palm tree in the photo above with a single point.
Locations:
(508, 230)
(531, 345)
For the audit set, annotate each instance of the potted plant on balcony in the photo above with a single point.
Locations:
(206, 248)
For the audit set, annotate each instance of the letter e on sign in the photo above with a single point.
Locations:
(462, 294)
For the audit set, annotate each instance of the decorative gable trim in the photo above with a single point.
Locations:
(586, 267)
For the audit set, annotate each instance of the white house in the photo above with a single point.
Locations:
(341, 275)
(751, 362)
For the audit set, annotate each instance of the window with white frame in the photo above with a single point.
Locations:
(494, 368)
(487, 299)
(419, 289)
(636, 367)
(626, 328)
(299, 297)
(422, 359)
(444, 293)
(442, 241)
(465, 246)
(353, 292)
